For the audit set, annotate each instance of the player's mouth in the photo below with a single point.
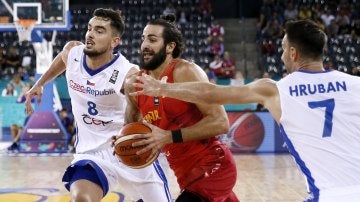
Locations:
(147, 55)
(89, 43)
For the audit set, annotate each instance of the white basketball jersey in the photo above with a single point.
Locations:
(97, 104)
(320, 125)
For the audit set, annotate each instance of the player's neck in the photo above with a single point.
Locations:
(98, 61)
(314, 66)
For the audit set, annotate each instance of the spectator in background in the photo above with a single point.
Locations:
(216, 31)
(304, 12)
(291, 12)
(215, 65)
(216, 47)
(68, 124)
(327, 17)
(272, 30)
(210, 74)
(333, 29)
(9, 91)
(169, 9)
(17, 82)
(275, 16)
(182, 17)
(228, 66)
(238, 79)
(268, 47)
(12, 61)
(205, 7)
(344, 25)
(23, 73)
(15, 131)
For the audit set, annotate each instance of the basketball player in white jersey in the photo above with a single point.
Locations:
(318, 112)
(95, 75)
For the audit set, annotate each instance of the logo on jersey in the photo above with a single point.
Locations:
(89, 83)
(152, 116)
(89, 90)
(91, 120)
(114, 76)
(156, 101)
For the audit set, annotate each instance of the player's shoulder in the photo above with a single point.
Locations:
(71, 44)
(184, 66)
(188, 70)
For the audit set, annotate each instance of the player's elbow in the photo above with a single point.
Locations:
(221, 123)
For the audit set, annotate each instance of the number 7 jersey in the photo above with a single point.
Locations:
(320, 123)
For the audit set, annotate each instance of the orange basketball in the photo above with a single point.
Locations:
(124, 150)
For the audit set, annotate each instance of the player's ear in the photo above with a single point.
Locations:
(170, 47)
(116, 41)
(294, 54)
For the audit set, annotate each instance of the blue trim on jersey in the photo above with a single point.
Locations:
(310, 72)
(93, 72)
(314, 191)
(76, 137)
(162, 176)
(96, 175)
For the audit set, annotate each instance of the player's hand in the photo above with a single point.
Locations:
(113, 140)
(155, 140)
(36, 90)
(149, 86)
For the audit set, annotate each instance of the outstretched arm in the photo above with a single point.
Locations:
(263, 91)
(207, 93)
(56, 68)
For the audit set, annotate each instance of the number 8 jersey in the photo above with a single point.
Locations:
(97, 104)
(318, 113)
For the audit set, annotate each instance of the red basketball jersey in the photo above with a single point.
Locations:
(172, 114)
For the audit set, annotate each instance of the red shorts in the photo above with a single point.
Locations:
(214, 176)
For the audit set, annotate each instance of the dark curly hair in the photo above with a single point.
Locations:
(117, 21)
(171, 33)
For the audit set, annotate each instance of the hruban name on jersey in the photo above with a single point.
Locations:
(310, 89)
(88, 90)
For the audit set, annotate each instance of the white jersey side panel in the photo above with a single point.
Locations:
(97, 104)
(318, 124)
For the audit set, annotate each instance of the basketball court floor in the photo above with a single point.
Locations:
(37, 178)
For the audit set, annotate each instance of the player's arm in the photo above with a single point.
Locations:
(262, 91)
(57, 67)
(132, 113)
(58, 64)
(215, 119)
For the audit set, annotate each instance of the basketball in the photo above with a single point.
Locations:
(246, 133)
(124, 150)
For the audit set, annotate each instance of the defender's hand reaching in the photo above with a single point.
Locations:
(149, 85)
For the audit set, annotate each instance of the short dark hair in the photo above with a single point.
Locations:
(307, 37)
(117, 21)
(171, 33)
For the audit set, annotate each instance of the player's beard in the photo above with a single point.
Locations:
(155, 62)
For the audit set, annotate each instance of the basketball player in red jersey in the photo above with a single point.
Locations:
(186, 132)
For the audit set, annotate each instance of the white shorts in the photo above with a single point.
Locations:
(348, 194)
(148, 184)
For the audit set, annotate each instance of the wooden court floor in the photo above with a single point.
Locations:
(261, 178)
